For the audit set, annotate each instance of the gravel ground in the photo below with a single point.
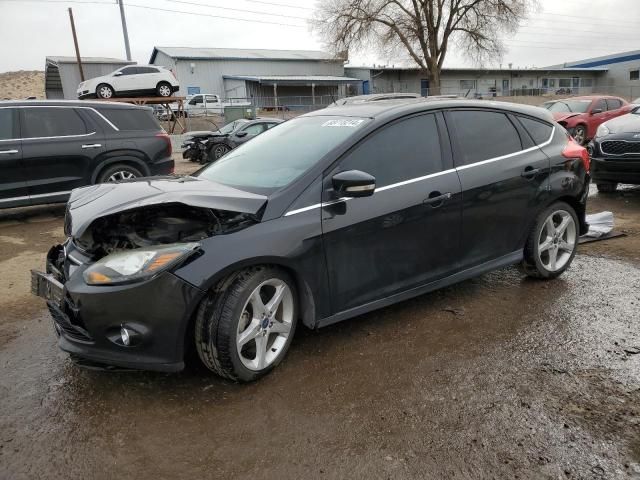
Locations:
(496, 377)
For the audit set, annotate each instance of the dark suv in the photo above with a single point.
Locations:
(48, 148)
(330, 215)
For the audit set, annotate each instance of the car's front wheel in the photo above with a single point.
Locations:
(245, 326)
(217, 151)
(552, 242)
(104, 91)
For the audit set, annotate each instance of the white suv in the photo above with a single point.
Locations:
(131, 80)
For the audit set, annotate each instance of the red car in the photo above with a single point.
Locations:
(582, 116)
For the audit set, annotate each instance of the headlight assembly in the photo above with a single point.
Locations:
(136, 265)
(602, 131)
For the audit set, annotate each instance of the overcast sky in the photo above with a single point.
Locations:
(563, 30)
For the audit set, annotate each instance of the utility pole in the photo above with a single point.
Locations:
(75, 42)
(124, 30)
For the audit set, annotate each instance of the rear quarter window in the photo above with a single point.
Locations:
(483, 135)
(128, 119)
(539, 131)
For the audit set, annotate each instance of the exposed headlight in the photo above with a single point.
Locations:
(136, 265)
(602, 131)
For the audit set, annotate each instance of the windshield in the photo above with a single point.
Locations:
(231, 127)
(572, 106)
(277, 157)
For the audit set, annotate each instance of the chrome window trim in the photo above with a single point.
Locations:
(60, 136)
(425, 177)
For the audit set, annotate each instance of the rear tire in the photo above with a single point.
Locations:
(607, 187)
(105, 91)
(163, 89)
(245, 325)
(552, 242)
(117, 173)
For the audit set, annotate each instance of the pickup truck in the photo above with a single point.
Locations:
(205, 104)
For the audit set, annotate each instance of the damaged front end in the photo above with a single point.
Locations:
(110, 287)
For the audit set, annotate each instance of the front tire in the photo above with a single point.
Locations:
(607, 187)
(164, 89)
(218, 151)
(552, 242)
(105, 91)
(244, 327)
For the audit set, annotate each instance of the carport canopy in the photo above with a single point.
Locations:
(295, 80)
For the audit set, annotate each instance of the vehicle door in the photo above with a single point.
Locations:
(245, 134)
(211, 105)
(146, 79)
(407, 233)
(503, 175)
(196, 105)
(13, 185)
(58, 149)
(614, 108)
(125, 80)
(597, 114)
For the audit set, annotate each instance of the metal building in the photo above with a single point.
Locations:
(312, 77)
(62, 76)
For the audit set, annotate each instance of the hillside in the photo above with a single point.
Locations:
(21, 84)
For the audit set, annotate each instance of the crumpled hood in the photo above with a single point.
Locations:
(89, 203)
(562, 116)
(629, 123)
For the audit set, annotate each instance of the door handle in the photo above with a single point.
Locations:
(8, 152)
(436, 199)
(92, 145)
(530, 172)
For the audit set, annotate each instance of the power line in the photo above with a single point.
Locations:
(237, 9)
(279, 4)
(94, 2)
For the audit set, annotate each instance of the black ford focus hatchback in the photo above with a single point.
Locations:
(325, 217)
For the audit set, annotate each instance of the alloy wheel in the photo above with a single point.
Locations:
(219, 151)
(164, 91)
(557, 240)
(265, 324)
(579, 135)
(121, 175)
(106, 92)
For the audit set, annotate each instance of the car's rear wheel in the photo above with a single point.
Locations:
(164, 89)
(244, 327)
(580, 134)
(118, 173)
(607, 187)
(552, 242)
(217, 151)
(104, 91)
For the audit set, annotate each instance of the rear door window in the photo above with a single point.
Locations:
(600, 105)
(483, 135)
(407, 149)
(613, 104)
(40, 122)
(131, 118)
(539, 131)
(8, 124)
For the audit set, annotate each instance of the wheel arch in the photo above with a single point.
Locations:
(130, 160)
(107, 84)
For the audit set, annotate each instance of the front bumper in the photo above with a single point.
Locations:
(615, 170)
(88, 318)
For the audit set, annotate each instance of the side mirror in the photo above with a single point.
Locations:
(596, 110)
(117, 74)
(353, 183)
(241, 134)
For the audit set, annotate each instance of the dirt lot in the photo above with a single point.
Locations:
(497, 377)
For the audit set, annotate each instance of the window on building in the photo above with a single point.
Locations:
(482, 135)
(587, 82)
(467, 84)
(634, 75)
(564, 83)
(552, 82)
(545, 82)
(414, 143)
(52, 122)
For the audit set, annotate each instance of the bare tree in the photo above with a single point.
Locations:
(423, 29)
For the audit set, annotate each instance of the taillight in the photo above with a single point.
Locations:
(573, 150)
(167, 138)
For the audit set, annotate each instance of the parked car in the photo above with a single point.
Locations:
(48, 148)
(330, 215)
(582, 116)
(207, 104)
(372, 97)
(615, 152)
(232, 135)
(133, 80)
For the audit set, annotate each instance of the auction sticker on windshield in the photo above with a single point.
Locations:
(342, 123)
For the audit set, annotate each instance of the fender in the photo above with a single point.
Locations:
(120, 156)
